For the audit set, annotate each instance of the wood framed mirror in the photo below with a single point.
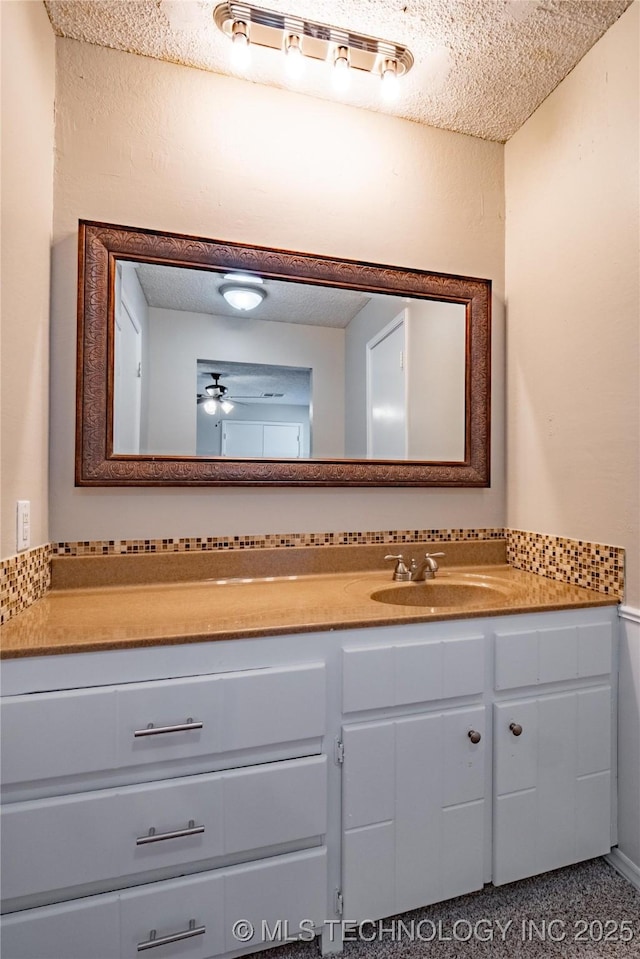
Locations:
(342, 373)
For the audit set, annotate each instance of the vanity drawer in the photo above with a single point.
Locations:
(192, 907)
(71, 732)
(69, 841)
(553, 654)
(274, 894)
(68, 930)
(379, 676)
(288, 889)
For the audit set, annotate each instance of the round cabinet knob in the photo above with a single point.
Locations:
(474, 736)
(516, 729)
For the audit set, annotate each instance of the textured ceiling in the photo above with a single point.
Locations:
(481, 66)
(197, 291)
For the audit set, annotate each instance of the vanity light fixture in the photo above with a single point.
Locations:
(299, 39)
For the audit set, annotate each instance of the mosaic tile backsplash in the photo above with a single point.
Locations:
(574, 561)
(118, 547)
(26, 577)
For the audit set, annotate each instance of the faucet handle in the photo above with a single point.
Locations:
(401, 573)
(434, 554)
(430, 560)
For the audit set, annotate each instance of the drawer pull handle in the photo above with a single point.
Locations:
(516, 729)
(152, 730)
(154, 941)
(474, 736)
(153, 836)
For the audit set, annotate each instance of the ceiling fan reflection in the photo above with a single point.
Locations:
(215, 397)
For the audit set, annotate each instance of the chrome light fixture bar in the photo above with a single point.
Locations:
(246, 26)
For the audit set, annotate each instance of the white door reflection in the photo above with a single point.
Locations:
(127, 386)
(387, 393)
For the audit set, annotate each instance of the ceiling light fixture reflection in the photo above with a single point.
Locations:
(243, 278)
(241, 298)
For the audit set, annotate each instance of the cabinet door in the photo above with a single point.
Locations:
(552, 782)
(413, 812)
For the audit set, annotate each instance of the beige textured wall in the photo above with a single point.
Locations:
(28, 87)
(573, 335)
(152, 144)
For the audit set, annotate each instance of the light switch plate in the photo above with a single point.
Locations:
(23, 525)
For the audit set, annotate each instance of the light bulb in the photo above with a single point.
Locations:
(210, 407)
(294, 60)
(341, 69)
(240, 49)
(226, 406)
(390, 80)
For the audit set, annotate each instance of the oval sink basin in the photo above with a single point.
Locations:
(439, 594)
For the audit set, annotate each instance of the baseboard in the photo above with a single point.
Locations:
(628, 612)
(625, 867)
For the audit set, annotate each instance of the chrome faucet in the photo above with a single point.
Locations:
(427, 568)
(401, 574)
(414, 573)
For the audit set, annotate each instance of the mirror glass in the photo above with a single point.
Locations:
(308, 372)
(205, 362)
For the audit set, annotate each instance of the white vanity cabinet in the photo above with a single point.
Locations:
(115, 842)
(553, 742)
(413, 813)
(155, 798)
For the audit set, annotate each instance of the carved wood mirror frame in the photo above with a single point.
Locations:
(101, 244)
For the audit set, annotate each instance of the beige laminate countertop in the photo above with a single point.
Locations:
(122, 617)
